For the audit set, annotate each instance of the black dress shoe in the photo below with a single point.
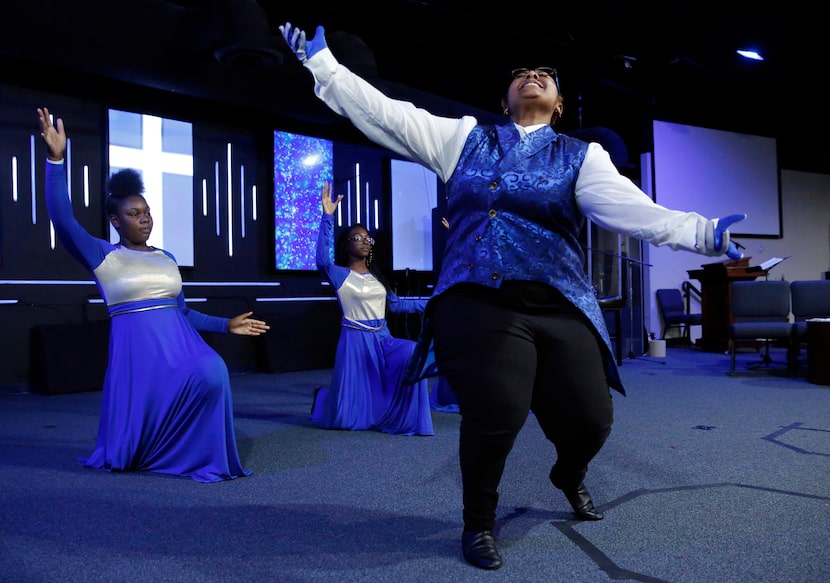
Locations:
(580, 500)
(479, 548)
(582, 504)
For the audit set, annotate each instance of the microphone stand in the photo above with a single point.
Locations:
(629, 294)
(630, 301)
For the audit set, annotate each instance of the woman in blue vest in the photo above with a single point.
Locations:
(513, 319)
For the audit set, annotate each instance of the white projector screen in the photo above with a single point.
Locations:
(718, 173)
(414, 195)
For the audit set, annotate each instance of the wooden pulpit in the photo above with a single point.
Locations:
(716, 299)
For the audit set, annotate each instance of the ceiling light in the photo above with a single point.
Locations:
(750, 54)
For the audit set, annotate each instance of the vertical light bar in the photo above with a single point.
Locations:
(357, 191)
(86, 186)
(34, 191)
(68, 162)
(229, 181)
(253, 203)
(216, 194)
(343, 217)
(242, 201)
(204, 197)
(368, 221)
(32, 174)
(14, 179)
(377, 215)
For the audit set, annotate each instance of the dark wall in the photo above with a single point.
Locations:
(45, 294)
(53, 323)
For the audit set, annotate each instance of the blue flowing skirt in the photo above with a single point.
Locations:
(441, 398)
(166, 404)
(367, 390)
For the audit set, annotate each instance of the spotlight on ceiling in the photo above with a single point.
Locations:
(244, 37)
(750, 54)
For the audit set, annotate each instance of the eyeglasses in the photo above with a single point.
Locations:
(540, 71)
(359, 239)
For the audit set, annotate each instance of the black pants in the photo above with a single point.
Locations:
(505, 352)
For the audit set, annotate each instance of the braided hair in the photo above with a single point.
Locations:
(341, 253)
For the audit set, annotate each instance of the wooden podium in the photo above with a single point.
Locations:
(716, 299)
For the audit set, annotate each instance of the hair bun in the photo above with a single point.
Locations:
(125, 182)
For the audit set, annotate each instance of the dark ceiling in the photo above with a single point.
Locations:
(621, 63)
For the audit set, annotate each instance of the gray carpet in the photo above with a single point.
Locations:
(705, 477)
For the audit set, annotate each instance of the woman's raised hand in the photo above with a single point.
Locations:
(329, 205)
(53, 134)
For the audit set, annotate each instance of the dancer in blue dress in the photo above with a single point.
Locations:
(166, 401)
(366, 390)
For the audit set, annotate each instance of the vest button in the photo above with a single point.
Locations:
(494, 185)
(494, 276)
(492, 213)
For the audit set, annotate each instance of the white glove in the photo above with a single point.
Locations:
(296, 41)
(715, 237)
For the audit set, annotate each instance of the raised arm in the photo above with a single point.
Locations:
(325, 240)
(85, 248)
(409, 131)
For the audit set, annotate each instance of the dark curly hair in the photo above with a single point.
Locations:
(122, 184)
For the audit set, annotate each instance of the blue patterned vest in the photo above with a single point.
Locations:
(513, 216)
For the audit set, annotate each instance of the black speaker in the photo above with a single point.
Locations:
(69, 358)
(303, 335)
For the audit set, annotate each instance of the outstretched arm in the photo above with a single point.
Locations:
(409, 131)
(615, 203)
(244, 325)
(398, 305)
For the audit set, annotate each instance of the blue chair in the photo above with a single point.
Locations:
(761, 313)
(810, 299)
(673, 312)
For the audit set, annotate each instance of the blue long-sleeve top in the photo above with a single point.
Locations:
(363, 299)
(127, 279)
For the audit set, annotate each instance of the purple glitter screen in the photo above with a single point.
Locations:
(302, 164)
